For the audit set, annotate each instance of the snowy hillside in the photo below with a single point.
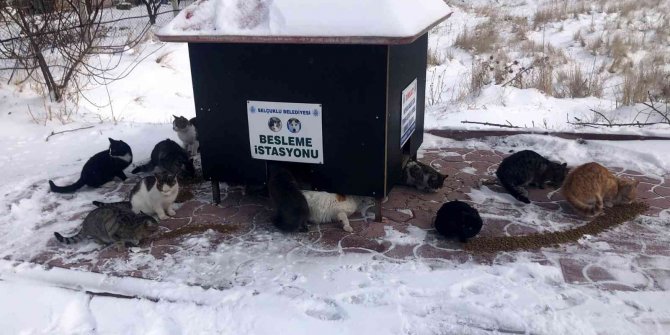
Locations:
(567, 59)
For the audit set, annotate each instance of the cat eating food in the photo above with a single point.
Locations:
(151, 195)
(168, 156)
(458, 219)
(422, 176)
(187, 132)
(291, 209)
(591, 187)
(109, 225)
(101, 168)
(327, 207)
(525, 168)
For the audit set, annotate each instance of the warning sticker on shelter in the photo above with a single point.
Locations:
(285, 131)
(408, 115)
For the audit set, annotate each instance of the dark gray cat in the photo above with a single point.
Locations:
(109, 225)
(422, 176)
(292, 211)
(525, 168)
(168, 156)
(187, 132)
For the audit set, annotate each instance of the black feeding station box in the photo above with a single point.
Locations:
(338, 97)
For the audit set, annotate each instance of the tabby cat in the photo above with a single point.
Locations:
(525, 168)
(422, 176)
(589, 188)
(291, 209)
(187, 133)
(327, 207)
(168, 156)
(101, 168)
(151, 195)
(109, 225)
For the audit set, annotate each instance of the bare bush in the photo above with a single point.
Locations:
(482, 39)
(642, 81)
(574, 84)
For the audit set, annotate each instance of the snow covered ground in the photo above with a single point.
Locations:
(350, 294)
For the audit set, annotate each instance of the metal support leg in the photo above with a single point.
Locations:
(216, 192)
(378, 209)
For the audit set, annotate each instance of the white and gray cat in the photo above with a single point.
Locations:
(187, 133)
(151, 195)
(422, 176)
(116, 225)
(327, 207)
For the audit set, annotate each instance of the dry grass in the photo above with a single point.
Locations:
(434, 57)
(573, 83)
(482, 39)
(642, 81)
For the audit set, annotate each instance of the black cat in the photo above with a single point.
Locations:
(458, 219)
(101, 168)
(169, 156)
(292, 211)
(525, 168)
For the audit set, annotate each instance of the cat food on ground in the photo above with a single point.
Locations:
(101, 168)
(526, 168)
(458, 219)
(612, 217)
(591, 187)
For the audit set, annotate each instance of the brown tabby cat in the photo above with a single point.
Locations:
(591, 187)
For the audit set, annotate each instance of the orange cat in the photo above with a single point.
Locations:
(590, 187)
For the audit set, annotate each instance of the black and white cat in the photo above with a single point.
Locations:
(168, 156)
(458, 219)
(291, 209)
(151, 195)
(422, 176)
(101, 168)
(187, 133)
(327, 207)
(525, 168)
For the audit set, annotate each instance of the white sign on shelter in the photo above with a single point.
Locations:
(285, 131)
(408, 115)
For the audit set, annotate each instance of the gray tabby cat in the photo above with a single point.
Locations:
(151, 195)
(422, 176)
(187, 133)
(109, 225)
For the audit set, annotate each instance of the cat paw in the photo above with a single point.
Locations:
(171, 212)
(348, 229)
(163, 216)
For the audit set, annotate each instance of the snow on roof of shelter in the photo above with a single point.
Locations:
(305, 21)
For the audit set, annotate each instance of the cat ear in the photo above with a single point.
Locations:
(175, 116)
(564, 165)
(110, 140)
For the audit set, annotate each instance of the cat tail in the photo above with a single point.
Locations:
(66, 189)
(118, 204)
(148, 167)
(69, 240)
(583, 208)
(514, 191)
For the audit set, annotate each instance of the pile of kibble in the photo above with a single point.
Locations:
(613, 216)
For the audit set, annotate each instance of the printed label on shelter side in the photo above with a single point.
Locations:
(284, 131)
(408, 113)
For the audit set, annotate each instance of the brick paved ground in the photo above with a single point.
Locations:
(633, 256)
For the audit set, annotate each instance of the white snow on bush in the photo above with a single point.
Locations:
(388, 18)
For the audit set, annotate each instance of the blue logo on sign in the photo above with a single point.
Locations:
(315, 112)
(252, 109)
